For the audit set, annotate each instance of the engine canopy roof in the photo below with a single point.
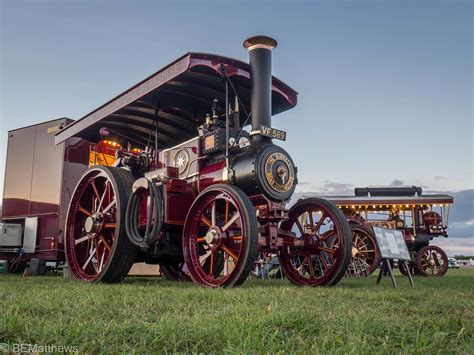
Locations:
(174, 101)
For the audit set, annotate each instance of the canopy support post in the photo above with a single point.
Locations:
(227, 122)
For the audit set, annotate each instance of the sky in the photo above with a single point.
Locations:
(385, 87)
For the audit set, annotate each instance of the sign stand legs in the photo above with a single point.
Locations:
(386, 265)
(408, 273)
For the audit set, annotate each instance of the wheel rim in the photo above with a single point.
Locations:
(91, 226)
(364, 252)
(320, 260)
(432, 262)
(214, 239)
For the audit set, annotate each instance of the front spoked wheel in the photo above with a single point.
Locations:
(432, 261)
(325, 253)
(220, 237)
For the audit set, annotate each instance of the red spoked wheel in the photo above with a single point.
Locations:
(326, 234)
(96, 244)
(365, 255)
(220, 237)
(432, 261)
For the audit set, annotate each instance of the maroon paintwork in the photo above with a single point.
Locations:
(39, 179)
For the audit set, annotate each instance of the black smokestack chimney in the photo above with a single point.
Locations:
(260, 59)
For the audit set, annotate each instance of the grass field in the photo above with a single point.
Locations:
(151, 314)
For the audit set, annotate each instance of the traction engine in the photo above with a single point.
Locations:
(204, 208)
(421, 217)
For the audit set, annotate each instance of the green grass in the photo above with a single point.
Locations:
(151, 314)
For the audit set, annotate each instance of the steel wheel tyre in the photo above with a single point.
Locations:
(220, 237)
(432, 261)
(364, 250)
(328, 239)
(96, 244)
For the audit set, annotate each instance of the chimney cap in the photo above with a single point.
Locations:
(260, 41)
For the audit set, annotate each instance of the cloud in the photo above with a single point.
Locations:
(335, 188)
(455, 246)
(330, 188)
(462, 214)
(397, 182)
(438, 178)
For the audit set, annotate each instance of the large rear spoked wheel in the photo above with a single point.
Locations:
(326, 235)
(220, 237)
(96, 245)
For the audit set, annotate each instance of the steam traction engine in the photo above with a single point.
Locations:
(421, 217)
(191, 189)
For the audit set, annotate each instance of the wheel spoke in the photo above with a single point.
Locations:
(320, 223)
(311, 221)
(111, 204)
(326, 236)
(86, 212)
(323, 262)
(311, 270)
(327, 250)
(105, 243)
(96, 192)
(206, 221)
(102, 261)
(96, 245)
(226, 263)
(226, 211)
(213, 214)
(88, 259)
(83, 239)
(211, 266)
(231, 222)
(300, 268)
(300, 227)
(103, 197)
(228, 251)
(109, 225)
